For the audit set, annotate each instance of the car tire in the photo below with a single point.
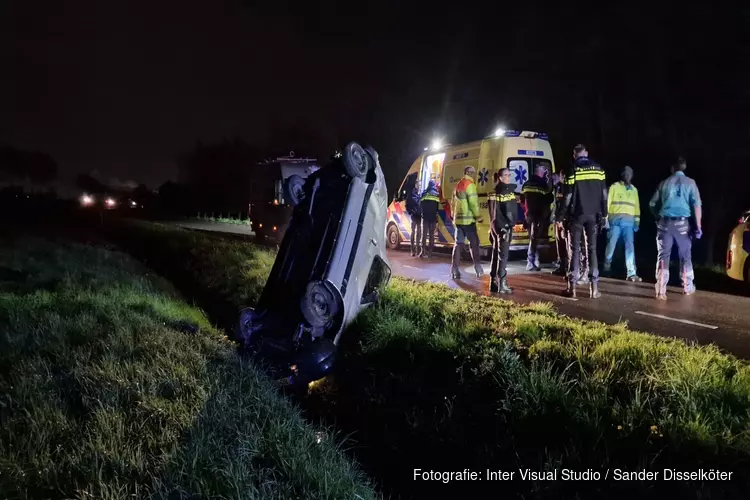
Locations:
(394, 238)
(320, 304)
(294, 189)
(356, 161)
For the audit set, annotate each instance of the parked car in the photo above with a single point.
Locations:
(738, 250)
(331, 265)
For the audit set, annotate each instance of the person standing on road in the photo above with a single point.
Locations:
(537, 197)
(465, 212)
(624, 221)
(562, 235)
(429, 202)
(585, 210)
(413, 209)
(674, 202)
(502, 207)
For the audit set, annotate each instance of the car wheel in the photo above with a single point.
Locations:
(394, 238)
(320, 303)
(294, 189)
(356, 161)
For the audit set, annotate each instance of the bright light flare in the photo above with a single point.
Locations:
(87, 200)
(437, 144)
(499, 132)
(133, 204)
(110, 202)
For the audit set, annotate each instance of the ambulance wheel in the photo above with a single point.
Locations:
(320, 303)
(394, 238)
(294, 189)
(356, 160)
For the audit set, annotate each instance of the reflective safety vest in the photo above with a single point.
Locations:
(465, 203)
(430, 197)
(624, 202)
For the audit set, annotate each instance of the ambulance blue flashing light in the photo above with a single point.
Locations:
(516, 133)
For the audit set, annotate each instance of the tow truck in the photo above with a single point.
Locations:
(269, 206)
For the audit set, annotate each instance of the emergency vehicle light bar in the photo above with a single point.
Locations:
(526, 133)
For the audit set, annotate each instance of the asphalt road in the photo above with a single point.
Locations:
(705, 317)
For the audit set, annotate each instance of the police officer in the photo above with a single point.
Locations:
(562, 235)
(673, 204)
(465, 213)
(412, 208)
(537, 197)
(585, 211)
(502, 208)
(429, 203)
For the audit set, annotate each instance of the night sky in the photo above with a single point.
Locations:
(124, 87)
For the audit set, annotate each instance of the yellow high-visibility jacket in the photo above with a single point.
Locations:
(465, 203)
(624, 203)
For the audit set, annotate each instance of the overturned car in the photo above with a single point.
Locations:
(330, 266)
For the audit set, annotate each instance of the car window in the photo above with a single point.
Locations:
(379, 275)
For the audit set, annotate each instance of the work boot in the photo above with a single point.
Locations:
(559, 272)
(532, 267)
(661, 296)
(456, 274)
(689, 291)
(594, 292)
(571, 290)
(607, 266)
(479, 271)
(504, 288)
(494, 288)
(583, 281)
(635, 278)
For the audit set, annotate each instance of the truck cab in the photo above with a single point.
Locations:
(269, 206)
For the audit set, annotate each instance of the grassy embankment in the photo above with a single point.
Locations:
(447, 380)
(111, 386)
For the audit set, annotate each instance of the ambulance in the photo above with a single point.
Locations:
(521, 152)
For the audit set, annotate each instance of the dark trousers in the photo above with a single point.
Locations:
(463, 233)
(538, 231)
(583, 226)
(500, 252)
(428, 231)
(416, 233)
(668, 233)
